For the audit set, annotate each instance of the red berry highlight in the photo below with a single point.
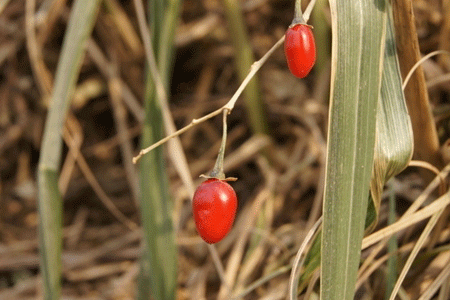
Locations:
(214, 206)
(300, 49)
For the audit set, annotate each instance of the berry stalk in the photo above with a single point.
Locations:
(217, 171)
(298, 14)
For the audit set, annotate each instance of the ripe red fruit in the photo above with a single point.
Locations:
(300, 49)
(214, 206)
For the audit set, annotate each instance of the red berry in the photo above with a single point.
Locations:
(300, 49)
(214, 206)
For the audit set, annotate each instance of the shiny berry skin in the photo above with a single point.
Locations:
(300, 49)
(214, 206)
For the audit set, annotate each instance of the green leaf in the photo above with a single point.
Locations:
(159, 261)
(50, 232)
(394, 143)
(357, 54)
(391, 276)
(394, 139)
(158, 275)
(79, 28)
(312, 262)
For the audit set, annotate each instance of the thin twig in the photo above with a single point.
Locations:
(308, 10)
(432, 168)
(177, 133)
(293, 280)
(229, 105)
(411, 72)
(175, 148)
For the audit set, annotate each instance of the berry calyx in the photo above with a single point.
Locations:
(214, 206)
(300, 49)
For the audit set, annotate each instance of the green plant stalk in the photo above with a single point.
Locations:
(393, 148)
(50, 232)
(391, 276)
(359, 29)
(159, 261)
(79, 28)
(166, 46)
(243, 60)
(217, 171)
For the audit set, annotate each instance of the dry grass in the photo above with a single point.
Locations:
(279, 191)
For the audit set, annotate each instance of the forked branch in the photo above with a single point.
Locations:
(228, 106)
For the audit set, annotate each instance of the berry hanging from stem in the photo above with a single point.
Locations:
(299, 45)
(217, 171)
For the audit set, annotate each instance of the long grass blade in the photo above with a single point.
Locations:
(79, 28)
(394, 136)
(158, 274)
(392, 249)
(243, 61)
(159, 261)
(394, 145)
(357, 53)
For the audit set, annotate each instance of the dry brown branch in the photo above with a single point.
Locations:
(426, 144)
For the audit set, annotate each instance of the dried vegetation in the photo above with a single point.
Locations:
(279, 197)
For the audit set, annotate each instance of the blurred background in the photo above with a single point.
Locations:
(276, 142)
